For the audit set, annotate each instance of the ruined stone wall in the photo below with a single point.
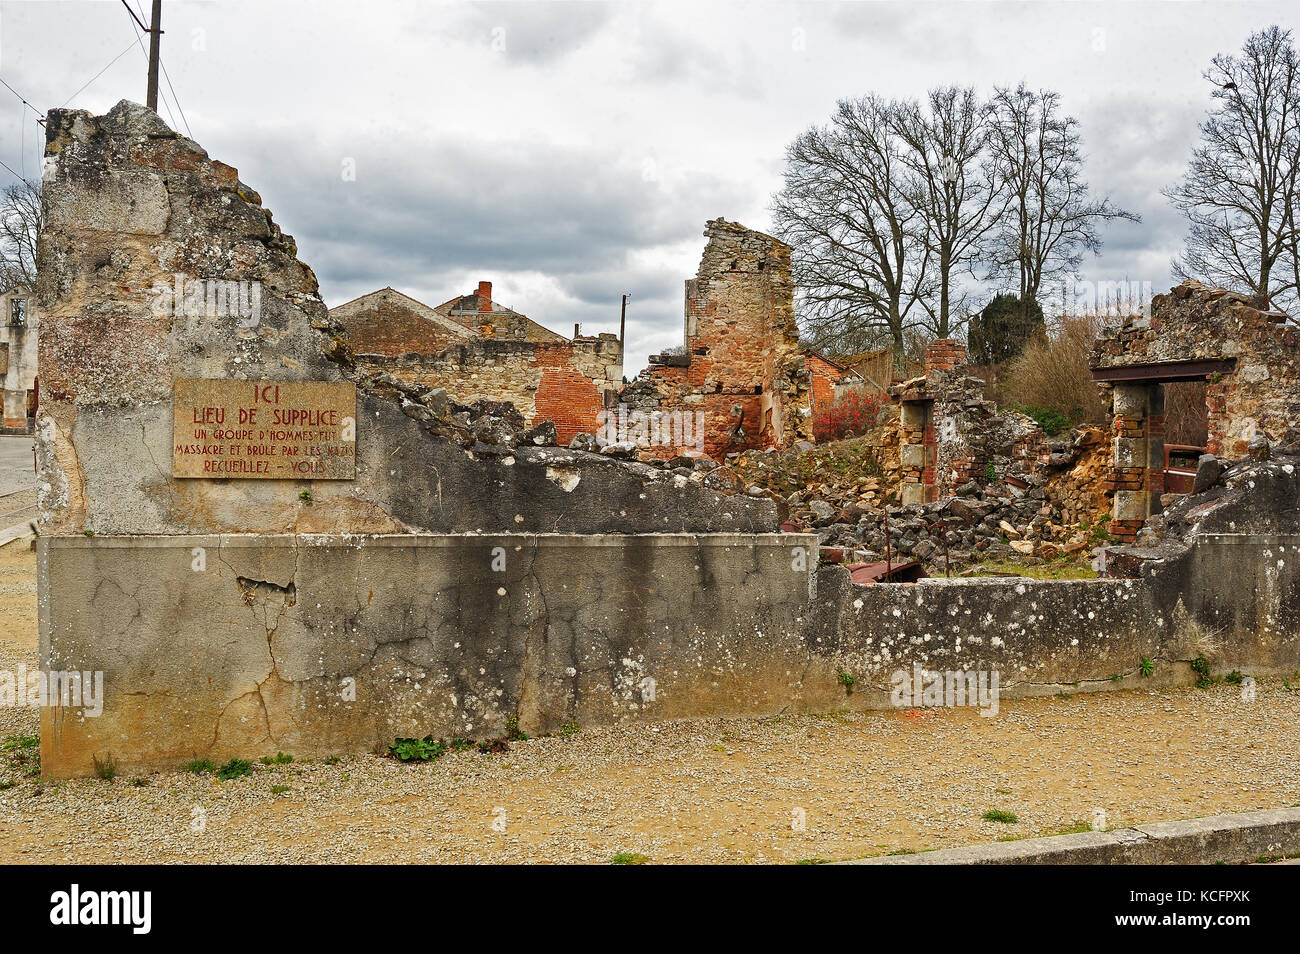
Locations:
(950, 435)
(334, 644)
(130, 206)
(566, 382)
(743, 367)
(18, 360)
(470, 572)
(1194, 322)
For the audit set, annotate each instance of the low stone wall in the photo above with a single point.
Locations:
(243, 645)
(239, 646)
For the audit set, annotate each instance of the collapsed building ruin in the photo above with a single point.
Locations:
(741, 367)
(266, 546)
(476, 349)
(1248, 357)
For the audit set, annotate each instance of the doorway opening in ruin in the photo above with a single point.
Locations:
(1147, 461)
(1187, 415)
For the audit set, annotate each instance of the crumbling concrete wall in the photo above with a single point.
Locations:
(322, 644)
(742, 365)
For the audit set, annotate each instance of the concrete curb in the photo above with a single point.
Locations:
(17, 532)
(1233, 839)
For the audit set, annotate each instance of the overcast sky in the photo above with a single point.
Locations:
(571, 152)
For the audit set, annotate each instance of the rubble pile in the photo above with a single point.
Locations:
(1030, 516)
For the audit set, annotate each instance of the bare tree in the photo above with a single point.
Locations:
(20, 221)
(1240, 189)
(957, 191)
(860, 256)
(1050, 220)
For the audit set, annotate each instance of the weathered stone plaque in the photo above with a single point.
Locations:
(272, 430)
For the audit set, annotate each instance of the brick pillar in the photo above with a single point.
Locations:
(1138, 472)
(944, 354)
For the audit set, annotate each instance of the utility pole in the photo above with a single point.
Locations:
(155, 35)
(622, 324)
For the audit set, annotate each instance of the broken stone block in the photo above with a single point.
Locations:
(1258, 449)
(912, 455)
(1208, 470)
(621, 449)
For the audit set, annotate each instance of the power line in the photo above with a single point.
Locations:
(22, 179)
(99, 74)
(140, 43)
(175, 98)
(134, 17)
(167, 76)
(22, 99)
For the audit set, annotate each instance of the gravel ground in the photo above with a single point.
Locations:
(709, 790)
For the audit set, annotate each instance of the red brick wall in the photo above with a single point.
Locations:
(824, 378)
(565, 395)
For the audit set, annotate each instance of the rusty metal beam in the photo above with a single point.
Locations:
(1165, 371)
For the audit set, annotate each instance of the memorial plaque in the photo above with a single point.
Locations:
(270, 430)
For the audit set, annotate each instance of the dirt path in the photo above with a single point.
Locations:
(715, 790)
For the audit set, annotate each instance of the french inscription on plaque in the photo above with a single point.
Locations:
(273, 430)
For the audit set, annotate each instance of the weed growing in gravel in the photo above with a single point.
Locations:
(900, 851)
(105, 768)
(513, 732)
(628, 858)
(26, 751)
(1202, 669)
(569, 731)
(199, 767)
(278, 759)
(997, 815)
(234, 769)
(416, 750)
(460, 745)
(813, 861)
(1147, 667)
(332, 759)
(279, 789)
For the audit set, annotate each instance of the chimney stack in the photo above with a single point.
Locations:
(484, 296)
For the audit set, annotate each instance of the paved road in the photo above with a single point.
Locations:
(16, 473)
